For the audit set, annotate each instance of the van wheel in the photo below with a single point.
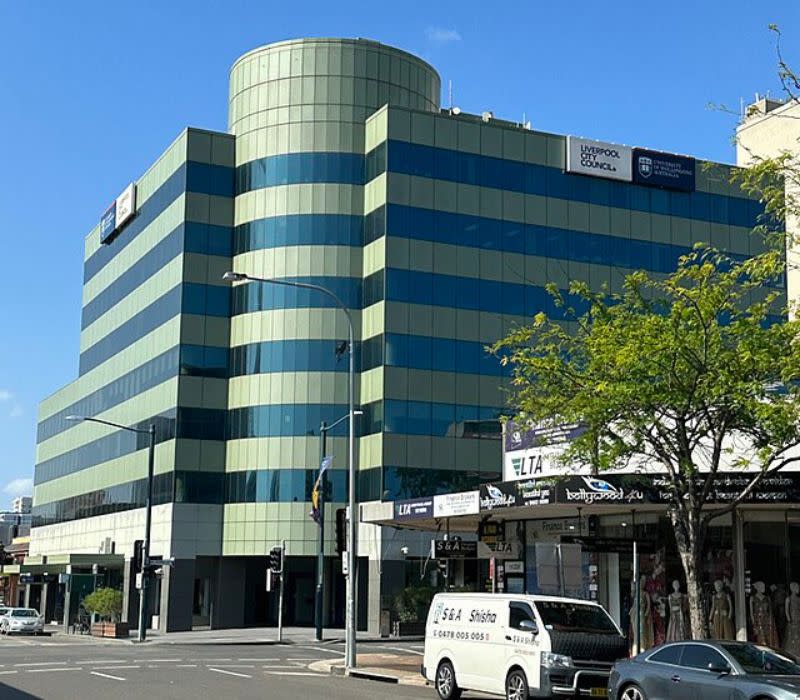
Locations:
(516, 686)
(446, 685)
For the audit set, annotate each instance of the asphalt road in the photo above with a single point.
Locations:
(68, 668)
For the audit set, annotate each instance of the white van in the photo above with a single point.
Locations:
(519, 646)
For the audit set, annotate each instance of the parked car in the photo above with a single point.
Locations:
(22, 620)
(519, 646)
(711, 670)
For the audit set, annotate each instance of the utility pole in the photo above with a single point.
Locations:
(319, 593)
(280, 591)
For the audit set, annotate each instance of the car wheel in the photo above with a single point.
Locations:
(632, 692)
(516, 685)
(446, 685)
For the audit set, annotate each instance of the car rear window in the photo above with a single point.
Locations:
(575, 617)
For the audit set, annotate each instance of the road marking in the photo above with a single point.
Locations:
(306, 659)
(107, 675)
(44, 663)
(95, 662)
(290, 673)
(405, 650)
(234, 665)
(48, 670)
(117, 668)
(259, 660)
(7, 673)
(185, 665)
(156, 661)
(327, 651)
(229, 673)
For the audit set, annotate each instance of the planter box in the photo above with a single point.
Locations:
(110, 629)
(408, 629)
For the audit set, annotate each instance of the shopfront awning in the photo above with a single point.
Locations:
(59, 563)
(569, 496)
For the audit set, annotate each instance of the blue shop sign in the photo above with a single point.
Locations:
(413, 508)
(658, 169)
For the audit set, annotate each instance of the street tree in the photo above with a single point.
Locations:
(687, 373)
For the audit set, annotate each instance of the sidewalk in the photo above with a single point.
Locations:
(248, 635)
(388, 668)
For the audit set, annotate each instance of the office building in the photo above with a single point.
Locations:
(438, 229)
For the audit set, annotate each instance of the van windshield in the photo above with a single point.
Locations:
(575, 617)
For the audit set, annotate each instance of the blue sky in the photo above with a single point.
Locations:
(92, 92)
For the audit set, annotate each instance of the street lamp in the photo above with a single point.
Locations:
(145, 563)
(323, 433)
(350, 608)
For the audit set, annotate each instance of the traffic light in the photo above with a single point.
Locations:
(341, 530)
(138, 546)
(276, 560)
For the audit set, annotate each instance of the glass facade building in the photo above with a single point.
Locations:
(438, 230)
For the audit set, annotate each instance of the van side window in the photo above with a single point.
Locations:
(519, 612)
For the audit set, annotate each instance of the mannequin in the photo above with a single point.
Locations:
(764, 631)
(792, 609)
(678, 626)
(721, 615)
(778, 594)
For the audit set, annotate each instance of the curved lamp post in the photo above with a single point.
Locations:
(148, 512)
(350, 608)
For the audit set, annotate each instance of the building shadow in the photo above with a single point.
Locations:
(9, 693)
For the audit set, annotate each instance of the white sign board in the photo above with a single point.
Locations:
(515, 567)
(498, 550)
(450, 505)
(599, 159)
(126, 205)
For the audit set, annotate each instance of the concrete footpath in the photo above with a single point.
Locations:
(387, 668)
(251, 635)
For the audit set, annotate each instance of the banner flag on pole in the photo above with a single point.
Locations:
(326, 463)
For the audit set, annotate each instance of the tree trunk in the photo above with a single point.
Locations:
(690, 541)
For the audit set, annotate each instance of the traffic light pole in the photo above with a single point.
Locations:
(318, 596)
(280, 591)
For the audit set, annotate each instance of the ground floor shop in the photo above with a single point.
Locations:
(579, 540)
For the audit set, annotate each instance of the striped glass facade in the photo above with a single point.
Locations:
(439, 231)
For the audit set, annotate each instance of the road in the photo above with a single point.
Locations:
(69, 668)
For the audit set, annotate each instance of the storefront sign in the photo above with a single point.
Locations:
(663, 170)
(498, 550)
(515, 567)
(588, 490)
(599, 159)
(413, 509)
(453, 504)
(515, 493)
(536, 452)
(620, 545)
(453, 549)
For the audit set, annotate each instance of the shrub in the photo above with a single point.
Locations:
(411, 604)
(106, 602)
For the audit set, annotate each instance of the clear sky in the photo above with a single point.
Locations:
(92, 92)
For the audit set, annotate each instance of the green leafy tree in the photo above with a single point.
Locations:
(106, 602)
(686, 372)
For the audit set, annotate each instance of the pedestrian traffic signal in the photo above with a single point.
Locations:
(341, 530)
(276, 560)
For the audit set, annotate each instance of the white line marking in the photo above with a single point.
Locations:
(47, 670)
(96, 662)
(229, 673)
(405, 650)
(327, 651)
(306, 659)
(185, 665)
(156, 661)
(259, 660)
(117, 668)
(290, 673)
(107, 675)
(7, 673)
(44, 663)
(234, 665)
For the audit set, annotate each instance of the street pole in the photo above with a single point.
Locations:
(350, 624)
(148, 516)
(350, 605)
(318, 598)
(637, 629)
(280, 591)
